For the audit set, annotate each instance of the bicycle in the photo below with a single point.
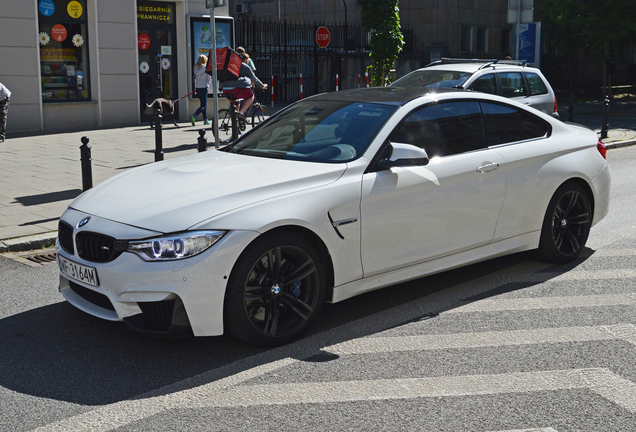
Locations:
(259, 112)
(231, 123)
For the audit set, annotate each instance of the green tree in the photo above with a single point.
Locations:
(596, 26)
(382, 18)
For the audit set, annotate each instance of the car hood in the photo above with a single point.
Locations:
(176, 194)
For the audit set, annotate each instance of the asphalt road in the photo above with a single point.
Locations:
(512, 344)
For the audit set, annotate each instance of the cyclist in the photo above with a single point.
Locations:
(241, 87)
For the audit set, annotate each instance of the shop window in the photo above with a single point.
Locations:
(63, 38)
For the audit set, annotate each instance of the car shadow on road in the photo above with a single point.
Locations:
(61, 353)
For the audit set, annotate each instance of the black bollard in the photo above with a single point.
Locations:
(203, 142)
(85, 158)
(605, 127)
(571, 107)
(158, 138)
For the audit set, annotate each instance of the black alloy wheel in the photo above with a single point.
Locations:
(566, 226)
(275, 291)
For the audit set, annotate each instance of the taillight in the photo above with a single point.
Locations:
(602, 149)
(555, 105)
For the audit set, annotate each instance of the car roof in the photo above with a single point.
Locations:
(384, 95)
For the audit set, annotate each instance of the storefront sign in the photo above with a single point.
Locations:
(155, 12)
(74, 9)
(46, 7)
(143, 40)
(59, 33)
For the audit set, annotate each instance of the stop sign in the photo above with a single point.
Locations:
(323, 37)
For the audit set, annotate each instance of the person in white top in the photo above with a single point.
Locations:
(201, 82)
(4, 109)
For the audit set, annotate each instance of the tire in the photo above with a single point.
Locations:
(260, 114)
(269, 305)
(566, 225)
(225, 126)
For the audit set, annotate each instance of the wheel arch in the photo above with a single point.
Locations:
(586, 187)
(316, 242)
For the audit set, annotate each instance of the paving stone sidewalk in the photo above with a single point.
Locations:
(41, 174)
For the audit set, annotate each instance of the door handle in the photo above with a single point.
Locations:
(487, 167)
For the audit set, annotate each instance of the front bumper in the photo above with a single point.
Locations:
(161, 298)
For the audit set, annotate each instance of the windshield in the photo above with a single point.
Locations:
(433, 78)
(316, 131)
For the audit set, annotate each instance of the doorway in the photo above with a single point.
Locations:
(157, 47)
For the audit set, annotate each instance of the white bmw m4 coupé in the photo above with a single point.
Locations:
(335, 195)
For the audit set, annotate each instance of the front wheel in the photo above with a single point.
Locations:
(260, 114)
(566, 225)
(275, 290)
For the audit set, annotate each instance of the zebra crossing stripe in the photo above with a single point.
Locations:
(564, 302)
(374, 345)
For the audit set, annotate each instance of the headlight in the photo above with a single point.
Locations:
(173, 247)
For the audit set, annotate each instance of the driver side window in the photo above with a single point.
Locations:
(443, 129)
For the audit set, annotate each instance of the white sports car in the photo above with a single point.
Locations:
(336, 195)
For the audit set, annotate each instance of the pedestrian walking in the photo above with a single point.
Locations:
(201, 83)
(4, 109)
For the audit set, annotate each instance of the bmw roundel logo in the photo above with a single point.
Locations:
(83, 222)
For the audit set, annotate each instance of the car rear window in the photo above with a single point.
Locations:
(505, 124)
(537, 86)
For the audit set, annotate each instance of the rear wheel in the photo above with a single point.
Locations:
(275, 290)
(260, 114)
(566, 225)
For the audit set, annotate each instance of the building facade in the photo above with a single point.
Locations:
(81, 64)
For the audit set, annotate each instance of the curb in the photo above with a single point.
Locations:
(24, 244)
(620, 144)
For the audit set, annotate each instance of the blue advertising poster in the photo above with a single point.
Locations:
(46, 7)
(202, 35)
(530, 43)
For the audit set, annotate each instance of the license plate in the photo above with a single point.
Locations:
(81, 273)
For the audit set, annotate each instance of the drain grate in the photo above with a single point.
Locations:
(33, 258)
(43, 259)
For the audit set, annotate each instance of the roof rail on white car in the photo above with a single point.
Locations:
(487, 63)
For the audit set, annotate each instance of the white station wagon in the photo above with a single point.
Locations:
(336, 195)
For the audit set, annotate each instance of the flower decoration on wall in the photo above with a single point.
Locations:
(44, 38)
(165, 64)
(78, 40)
(144, 67)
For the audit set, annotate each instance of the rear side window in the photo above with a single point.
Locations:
(536, 84)
(512, 84)
(505, 124)
(485, 84)
(443, 129)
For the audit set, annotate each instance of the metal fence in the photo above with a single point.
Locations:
(283, 52)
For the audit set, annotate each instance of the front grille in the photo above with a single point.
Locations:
(92, 296)
(160, 311)
(99, 248)
(65, 237)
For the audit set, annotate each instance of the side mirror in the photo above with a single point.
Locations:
(403, 155)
